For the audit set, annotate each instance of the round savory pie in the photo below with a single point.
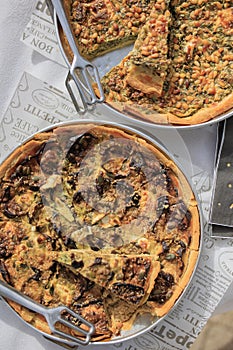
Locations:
(180, 68)
(100, 219)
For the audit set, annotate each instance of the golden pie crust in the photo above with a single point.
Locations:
(180, 69)
(99, 219)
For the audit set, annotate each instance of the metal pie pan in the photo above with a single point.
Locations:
(142, 324)
(104, 64)
(106, 109)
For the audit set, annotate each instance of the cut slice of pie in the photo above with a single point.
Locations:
(130, 278)
(32, 270)
(100, 26)
(149, 58)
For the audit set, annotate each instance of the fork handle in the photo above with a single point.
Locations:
(11, 293)
(81, 71)
(61, 14)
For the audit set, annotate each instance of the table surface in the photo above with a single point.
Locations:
(15, 58)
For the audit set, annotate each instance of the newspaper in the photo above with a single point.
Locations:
(36, 105)
(40, 34)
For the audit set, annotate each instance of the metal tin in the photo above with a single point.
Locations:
(103, 64)
(137, 329)
(105, 109)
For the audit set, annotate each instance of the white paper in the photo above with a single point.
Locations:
(40, 34)
(34, 106)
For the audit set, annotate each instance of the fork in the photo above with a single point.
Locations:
(81, 72)
(52, 316)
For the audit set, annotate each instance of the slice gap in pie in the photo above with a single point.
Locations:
(130, 278)
(149, 60)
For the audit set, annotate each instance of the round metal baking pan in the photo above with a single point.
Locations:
(142, 325)
(103, 64)
(104, 109)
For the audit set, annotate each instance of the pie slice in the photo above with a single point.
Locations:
(100, 26)
(122, 96)
(32, 270)
(149, 58)
(130, 278)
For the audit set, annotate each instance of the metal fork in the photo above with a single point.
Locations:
(81, 72)
(53, 316)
